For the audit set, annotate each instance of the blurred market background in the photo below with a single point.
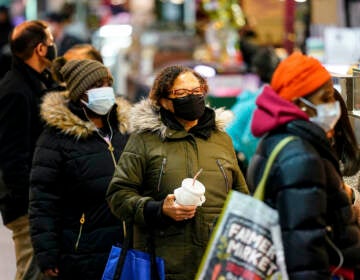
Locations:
(216, 37)
(138, 37)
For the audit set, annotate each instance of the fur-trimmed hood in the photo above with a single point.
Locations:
(145, 117)
(56, 113)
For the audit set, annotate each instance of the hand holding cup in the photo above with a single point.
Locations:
(191, 192)
(175, 211)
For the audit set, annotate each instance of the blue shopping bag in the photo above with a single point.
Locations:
(137, 265)
(125, 263)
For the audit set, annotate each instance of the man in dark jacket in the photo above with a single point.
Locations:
(21, 89)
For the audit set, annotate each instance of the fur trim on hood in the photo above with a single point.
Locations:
(55, 112)
(145, 117)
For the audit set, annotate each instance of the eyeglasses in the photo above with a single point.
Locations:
(184, 91)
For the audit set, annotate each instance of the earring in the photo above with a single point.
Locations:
(303, 109)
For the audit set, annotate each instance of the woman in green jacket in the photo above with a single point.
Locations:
(174, 136)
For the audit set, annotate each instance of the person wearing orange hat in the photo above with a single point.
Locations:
(319, 230)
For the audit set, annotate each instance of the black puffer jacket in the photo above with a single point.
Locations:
(21, 90)
(72, 168)
(305, 187)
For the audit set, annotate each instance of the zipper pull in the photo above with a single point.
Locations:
(110, 147)
(162, 172)
(224, 174)
(82, 221)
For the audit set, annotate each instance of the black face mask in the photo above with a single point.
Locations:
(190, 107)
(51, 53)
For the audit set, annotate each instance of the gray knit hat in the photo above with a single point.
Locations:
(81, 75)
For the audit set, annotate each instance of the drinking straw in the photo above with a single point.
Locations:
(196, 175)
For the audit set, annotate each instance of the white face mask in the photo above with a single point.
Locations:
(327, 114)
(101, 100)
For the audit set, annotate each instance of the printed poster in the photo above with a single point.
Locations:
(246, 243)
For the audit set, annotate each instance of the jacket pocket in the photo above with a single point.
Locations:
(204, 223)
(169, 232)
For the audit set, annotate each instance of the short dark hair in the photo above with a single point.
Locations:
(165, 80)
(265, 62)
(26, 36)
(55, 17)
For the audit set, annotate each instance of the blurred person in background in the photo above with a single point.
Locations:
(264, 63)
(72, 227)
(21, 89)
(6, 27)
(83, 51)
(75, 26)
(17, 11)
(247, 45)
(320, 233)
(174, 135)
(64, 40)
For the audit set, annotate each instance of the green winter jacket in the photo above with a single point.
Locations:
(154, 162)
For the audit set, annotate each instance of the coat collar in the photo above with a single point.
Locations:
(145, 117)
(39, 83)
(316, 136)
(56, 113)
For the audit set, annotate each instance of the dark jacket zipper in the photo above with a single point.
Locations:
(82, 221)
(108, 141)
(224, 174)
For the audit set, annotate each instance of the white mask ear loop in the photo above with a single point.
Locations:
(86, 115)
(308, 103)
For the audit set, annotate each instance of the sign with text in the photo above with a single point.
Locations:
(246, 243)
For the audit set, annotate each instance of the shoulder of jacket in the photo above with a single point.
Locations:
(297, 151)
(294, 147)
(52, 136)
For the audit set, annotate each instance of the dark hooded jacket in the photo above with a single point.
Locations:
(157, 157)
(306, 188)
(72, 168)
(21, 90)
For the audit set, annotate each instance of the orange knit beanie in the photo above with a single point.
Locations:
(298, 75)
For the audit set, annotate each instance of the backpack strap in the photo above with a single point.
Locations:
(260, 189)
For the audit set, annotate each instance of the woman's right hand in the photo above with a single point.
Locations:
(51, 272)
(176, 211)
